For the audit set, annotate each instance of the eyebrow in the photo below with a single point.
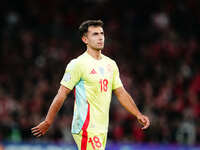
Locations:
(95, 33)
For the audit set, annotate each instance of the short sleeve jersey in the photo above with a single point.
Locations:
(94, 81)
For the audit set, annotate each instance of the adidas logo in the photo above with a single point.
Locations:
(93, 72)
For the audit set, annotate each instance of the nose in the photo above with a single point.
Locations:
(101, 37)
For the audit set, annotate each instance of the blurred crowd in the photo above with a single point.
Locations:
(155, 44)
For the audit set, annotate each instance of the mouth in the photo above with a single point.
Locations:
(100, 43)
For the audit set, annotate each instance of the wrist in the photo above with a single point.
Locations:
(138, 115)
(47, 122)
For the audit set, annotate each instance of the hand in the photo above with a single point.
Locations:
(144, 120)
(40, 129)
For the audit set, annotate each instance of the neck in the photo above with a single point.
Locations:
(96, 54)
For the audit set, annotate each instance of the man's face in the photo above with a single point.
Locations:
(94, 38)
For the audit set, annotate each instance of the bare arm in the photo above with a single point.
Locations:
(58, 101)
(128, 103)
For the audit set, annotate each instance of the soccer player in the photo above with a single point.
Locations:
(93, 76)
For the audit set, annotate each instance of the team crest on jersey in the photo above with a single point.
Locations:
(67, 77)
(101, 70)
(109, 68)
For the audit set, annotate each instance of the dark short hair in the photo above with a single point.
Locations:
(83, 28)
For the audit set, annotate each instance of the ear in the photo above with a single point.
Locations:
(84, 39)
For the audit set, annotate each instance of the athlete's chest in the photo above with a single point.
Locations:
(98, 73)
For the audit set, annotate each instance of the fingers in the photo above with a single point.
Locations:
(146, 124)
(143, 120)
(37, 134)
(40, 129)
(37, 131)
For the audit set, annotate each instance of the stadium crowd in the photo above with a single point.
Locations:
(155, 44)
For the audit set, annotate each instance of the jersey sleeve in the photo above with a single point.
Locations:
(72, 75)
(116, 78)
